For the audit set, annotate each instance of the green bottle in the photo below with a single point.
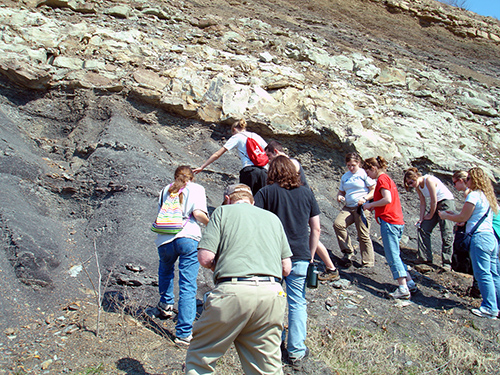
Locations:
(312, 276)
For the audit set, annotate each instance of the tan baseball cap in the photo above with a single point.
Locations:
(234, 188)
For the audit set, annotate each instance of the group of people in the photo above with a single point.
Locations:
(479, 215)
(267, 232)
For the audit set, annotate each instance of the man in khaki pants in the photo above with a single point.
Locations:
(248, 251)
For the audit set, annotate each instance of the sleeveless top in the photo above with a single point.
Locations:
(442, 192)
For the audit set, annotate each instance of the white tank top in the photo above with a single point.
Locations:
(442, 192)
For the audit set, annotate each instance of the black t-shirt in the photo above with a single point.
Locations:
(294, 208)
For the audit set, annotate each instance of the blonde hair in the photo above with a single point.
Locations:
(240, 125)
(182, 176)
(479, 181)
(242, 194)
(459, 175)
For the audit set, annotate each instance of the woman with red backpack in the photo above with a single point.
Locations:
(250, 147)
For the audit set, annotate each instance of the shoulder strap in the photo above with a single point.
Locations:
(479, 222)
(163, 195)
(248, 136)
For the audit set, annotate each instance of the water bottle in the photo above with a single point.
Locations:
(312, 276)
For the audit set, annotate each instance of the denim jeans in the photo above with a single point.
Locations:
(485, 263)
(391, 235)
(185, 249)
(297, 309)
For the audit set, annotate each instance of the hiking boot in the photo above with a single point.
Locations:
(346, 260)
(329, 275)
(401, 293)
(483, 314)
(166, 310)
(183, 342)
(297, 363)
(422, 261)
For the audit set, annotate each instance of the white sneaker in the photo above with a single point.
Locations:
(183, 341)
(483, 314)
(401, 293)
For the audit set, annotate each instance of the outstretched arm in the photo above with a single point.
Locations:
(217, 154)
(463, 216)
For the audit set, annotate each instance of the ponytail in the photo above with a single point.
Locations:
(182, 176)
(240, 124)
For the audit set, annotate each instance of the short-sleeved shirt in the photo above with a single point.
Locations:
(481, 205)
(194, 198)
(239, 140)
(294, 207)
(356, 186)
(303, 178)
(246, 240)
(442, 192)
(391, 213)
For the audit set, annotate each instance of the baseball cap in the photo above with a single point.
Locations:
(234, 188)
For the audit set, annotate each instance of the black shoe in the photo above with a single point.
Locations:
(297, 363)
(346, 261)
(284, 353)
(166, 310)
(421, 261)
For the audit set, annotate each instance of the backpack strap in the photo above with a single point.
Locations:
(479, 222)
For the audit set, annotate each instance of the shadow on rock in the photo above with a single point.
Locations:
(131, 366)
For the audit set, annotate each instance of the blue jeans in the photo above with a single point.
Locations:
(391, 235)
(186, 250)
(297, 309)
(485, 263)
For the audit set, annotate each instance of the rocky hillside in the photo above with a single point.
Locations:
(100, 101)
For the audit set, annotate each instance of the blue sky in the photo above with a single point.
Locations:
(485, 7)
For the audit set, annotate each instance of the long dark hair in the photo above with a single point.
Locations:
(353, 156)
(282, 171)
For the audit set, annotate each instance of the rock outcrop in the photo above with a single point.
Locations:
(283, 81)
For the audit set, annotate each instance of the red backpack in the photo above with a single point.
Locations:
(255, 152)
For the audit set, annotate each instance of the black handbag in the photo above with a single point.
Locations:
(460, 259)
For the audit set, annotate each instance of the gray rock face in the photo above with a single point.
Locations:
(100, 102)
(350, 96)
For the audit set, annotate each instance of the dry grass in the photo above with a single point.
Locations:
(357, 351)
